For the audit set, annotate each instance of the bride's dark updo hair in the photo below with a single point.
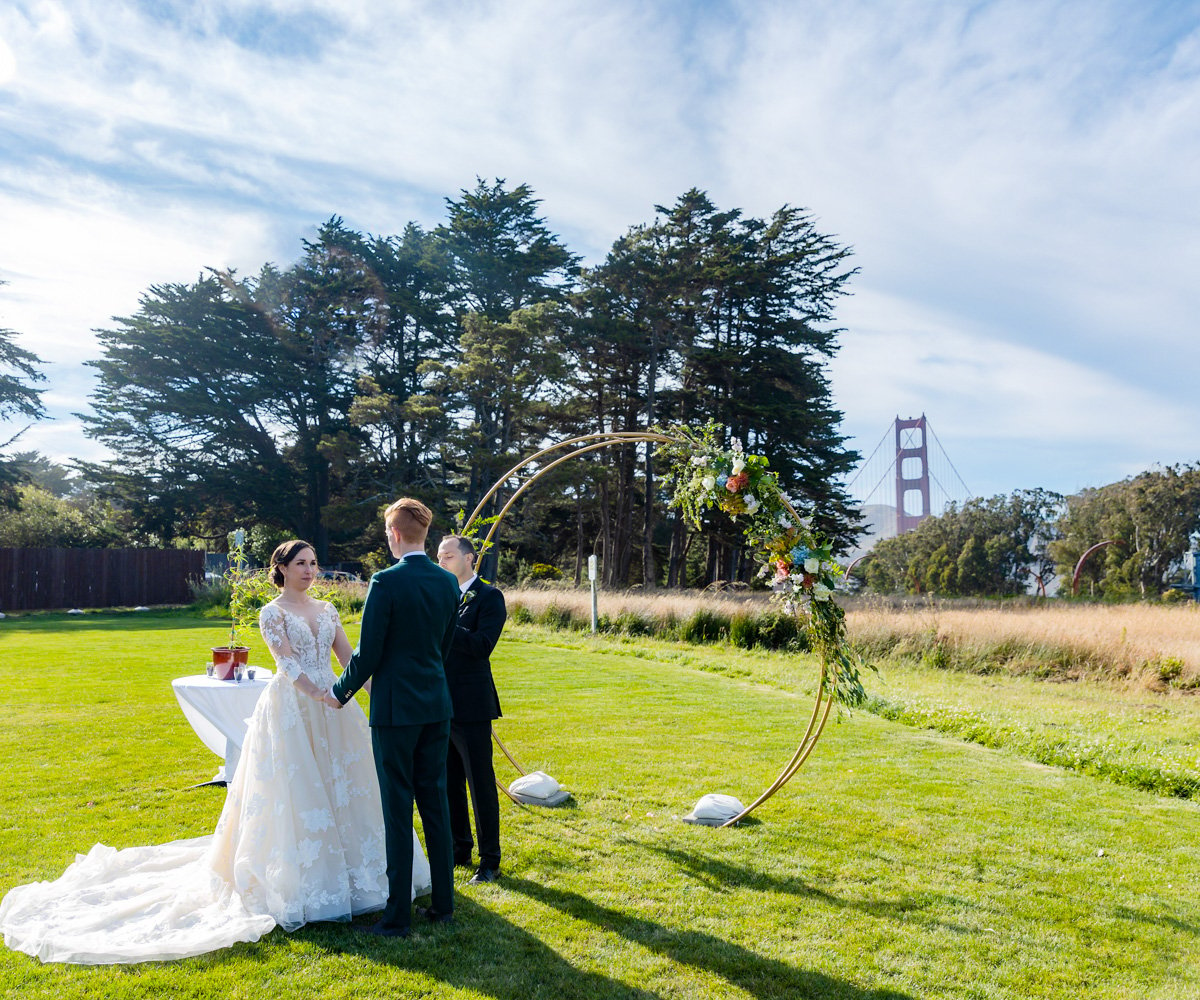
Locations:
(283, 556)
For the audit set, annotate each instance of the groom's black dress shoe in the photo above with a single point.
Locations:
(462, 861)
(434, 916)
(379, 930)
(485, 875)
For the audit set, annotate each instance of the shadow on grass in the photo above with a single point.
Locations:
(718, 875)
(1157, 920)
(759, 976)
(481, 952)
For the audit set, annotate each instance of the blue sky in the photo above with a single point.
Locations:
(1017, 179)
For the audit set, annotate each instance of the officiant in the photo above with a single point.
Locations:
(481, 617)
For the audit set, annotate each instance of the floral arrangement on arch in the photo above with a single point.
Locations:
(796, 561)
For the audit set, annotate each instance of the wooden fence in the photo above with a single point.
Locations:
(96, 578)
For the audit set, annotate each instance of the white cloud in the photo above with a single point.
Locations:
(75, 261)
(1008, 415)
(1016, 177)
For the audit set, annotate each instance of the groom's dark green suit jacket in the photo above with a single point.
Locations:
(408, 625)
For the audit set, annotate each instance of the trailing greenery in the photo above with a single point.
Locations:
(799, 562)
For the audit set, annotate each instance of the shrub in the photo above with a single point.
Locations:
(543, 571)
(633, 623)
(518, 614)
(938, 656)
(1167, 668)
(210, 595)
(779, 630)
(705, 626)
(348, 596)
(743, 630)
(668, 626)
(556, 616)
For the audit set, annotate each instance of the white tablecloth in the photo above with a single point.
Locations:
(218, 711)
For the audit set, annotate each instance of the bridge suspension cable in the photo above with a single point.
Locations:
(899, 494)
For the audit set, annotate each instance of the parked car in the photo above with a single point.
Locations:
(339, 574)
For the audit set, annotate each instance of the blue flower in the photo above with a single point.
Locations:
(722, 479)
(799, 554)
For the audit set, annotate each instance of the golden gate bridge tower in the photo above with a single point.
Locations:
(897, 490)
(912, 473)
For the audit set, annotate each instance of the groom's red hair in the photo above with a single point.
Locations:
(409, 517)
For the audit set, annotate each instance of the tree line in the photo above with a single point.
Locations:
(300, 400)
(1020, 543)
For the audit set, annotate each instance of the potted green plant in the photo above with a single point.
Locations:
(243, 611)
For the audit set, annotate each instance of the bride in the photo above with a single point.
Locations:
(300, 837)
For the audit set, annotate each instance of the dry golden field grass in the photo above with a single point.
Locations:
(659, 605)
(1150, 644)
(1130, 640)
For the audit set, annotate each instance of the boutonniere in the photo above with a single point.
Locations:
(467, 598)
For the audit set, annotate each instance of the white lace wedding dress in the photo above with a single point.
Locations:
(300, 838)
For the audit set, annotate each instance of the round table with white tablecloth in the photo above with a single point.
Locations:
(218, 712)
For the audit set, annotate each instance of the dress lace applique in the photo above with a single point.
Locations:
(300, 838)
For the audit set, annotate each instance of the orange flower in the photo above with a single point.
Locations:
(738, 482)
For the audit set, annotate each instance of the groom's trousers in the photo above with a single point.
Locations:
(470, 766)
(411, 763)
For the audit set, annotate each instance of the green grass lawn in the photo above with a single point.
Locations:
(899, 863)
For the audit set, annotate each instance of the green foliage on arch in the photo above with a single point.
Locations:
(704, 475)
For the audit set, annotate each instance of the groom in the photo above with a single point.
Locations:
(408, 624)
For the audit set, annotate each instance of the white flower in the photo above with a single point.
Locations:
(739, 464)
(784, 520)
(751, 502)
(736, 445)
(698, 460)
(812, 565)
(821, 592)
(806, 523)
(709, 482)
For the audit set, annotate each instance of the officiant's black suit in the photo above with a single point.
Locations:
(481, 618)
(409, 619)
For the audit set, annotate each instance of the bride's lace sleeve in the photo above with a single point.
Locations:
(272, 626)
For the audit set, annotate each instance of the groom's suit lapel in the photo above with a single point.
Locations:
(470, 598)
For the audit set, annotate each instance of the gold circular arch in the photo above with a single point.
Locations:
(582, 445)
